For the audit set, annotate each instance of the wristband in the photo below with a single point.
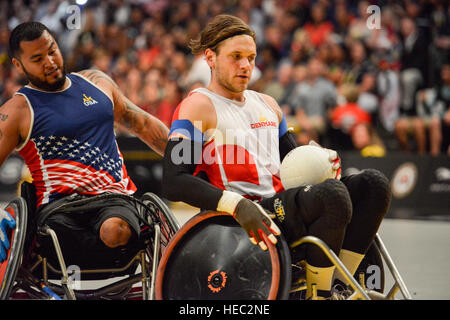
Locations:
(228, 202)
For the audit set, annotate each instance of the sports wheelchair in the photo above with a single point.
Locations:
(37, 267)
(210, 257)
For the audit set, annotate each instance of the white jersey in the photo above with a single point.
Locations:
(242, 153)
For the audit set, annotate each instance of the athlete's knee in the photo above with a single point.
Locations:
(115, 232)
(334, 201)
(376, 188)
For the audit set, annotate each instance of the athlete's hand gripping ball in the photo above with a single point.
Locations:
(333, 157)
(5, 221)
(256, 222)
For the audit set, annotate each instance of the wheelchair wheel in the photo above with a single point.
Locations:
(212, 258)
(161, 212)
(9, 268)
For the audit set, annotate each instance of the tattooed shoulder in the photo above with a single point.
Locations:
(96, 77)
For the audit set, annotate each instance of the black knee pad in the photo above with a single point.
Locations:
(374, 186)
(376, 179)
(333, 199)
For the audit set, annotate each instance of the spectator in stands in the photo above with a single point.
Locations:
(311, 100)
(413, 76)
(360, 63)
(434, 106)
(389, 93)
(443, 94)
(363, 72)
(283, 84)
(299, 73)
(318, 29)
(342, 20)
(414, 59)
(337, 62)
(170, 98)
(352, 127)
(301, 47)
(358, 27)
(349, 114)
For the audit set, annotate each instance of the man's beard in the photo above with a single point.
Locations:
(227, 84)
(44, 85)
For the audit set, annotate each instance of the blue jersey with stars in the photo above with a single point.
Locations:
(71, 147)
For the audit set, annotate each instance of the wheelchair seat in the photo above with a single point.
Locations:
(97, 256)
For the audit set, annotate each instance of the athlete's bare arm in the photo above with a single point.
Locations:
(198, 109)
(14, 125)
(146, 127)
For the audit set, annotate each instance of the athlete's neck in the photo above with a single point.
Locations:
(220, 90)
(63, 87)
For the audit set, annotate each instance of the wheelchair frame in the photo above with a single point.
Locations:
(362, 293)
(153, 213)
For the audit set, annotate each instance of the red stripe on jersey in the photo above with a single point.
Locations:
(238, 164)
(277, 185)
(209, 165)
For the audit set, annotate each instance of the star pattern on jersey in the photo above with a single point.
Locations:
(63, 148)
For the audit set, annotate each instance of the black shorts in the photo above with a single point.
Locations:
(79, 235)
(82, 228)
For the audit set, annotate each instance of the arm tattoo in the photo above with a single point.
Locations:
(148, 128)
(96, 76)
(3, 117)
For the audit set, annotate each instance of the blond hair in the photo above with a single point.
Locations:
(350, 92)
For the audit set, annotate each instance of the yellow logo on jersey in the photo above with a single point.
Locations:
(88, 101)
(262, 118)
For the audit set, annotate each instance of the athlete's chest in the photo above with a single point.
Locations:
(254, 117)
(80, 110)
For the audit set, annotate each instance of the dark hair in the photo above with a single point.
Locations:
(222, 27)
(27, 31)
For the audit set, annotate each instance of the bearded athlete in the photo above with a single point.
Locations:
(63, 127)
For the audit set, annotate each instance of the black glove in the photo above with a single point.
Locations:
(256, 222)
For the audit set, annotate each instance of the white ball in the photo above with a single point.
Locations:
(305, 165)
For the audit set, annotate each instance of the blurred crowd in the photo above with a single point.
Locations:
(371, 76)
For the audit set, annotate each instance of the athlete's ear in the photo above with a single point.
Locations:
(18, 65)
(210, 57)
